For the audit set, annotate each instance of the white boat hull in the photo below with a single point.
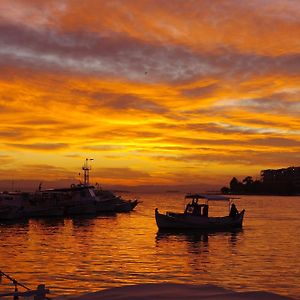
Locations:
(184, 221)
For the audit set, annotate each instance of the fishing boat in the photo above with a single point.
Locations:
(47, 203)
(195, 215)
(78, 199)
(73, 200)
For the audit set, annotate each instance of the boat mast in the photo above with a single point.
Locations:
(86, 172)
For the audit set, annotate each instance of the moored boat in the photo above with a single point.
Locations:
(195, 215)
(11, 205)
(117, 203)
(75, 200)
(78, 199)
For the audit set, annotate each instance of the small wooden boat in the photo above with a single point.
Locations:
(196, 216)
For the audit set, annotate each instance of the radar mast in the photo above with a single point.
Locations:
(86, 171)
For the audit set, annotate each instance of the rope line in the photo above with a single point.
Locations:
(16, 284)
(14, 281)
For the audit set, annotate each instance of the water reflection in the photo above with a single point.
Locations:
(80, 254)
(198, 235)
(188, 236)
(196, 239)
(11, 230)
(13, 223)
(199, 249)
(88, 220)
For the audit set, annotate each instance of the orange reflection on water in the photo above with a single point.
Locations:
(90, 253)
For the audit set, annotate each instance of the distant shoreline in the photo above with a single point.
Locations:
(260, 194)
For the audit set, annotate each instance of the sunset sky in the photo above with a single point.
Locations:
(156, 92)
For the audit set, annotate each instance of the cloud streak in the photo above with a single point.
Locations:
(120, 56)
(39, 146)
(149, 89)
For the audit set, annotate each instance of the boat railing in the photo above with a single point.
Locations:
(38, 294)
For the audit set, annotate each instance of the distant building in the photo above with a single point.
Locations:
(286, 178)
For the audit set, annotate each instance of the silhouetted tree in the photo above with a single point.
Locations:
(225, 190)
(247, 184)
(248, 180)
(257, 187)
(234, 183)
(281, 183)
(236, 187)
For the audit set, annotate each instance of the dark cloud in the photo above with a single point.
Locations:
(226, 128)
(206, 127)
(84, 52)
(38, 146)
(104, 148)
(241, 126)
(256, 121)
(275, 142)
(270, 141)
(222, 128)
(123, 102)
(126, 133)
(200, 142)
(118, 55)
(26, 130)
(116, 173)
(4, 109)
(45, 172)
(236, 157)
(12, 133)
(200, 92)
(133, 102)
(287, 103)
(33, 184)
(39, 121)
(43, 167)
(73, 156)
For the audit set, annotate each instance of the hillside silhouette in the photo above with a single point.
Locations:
(285, 181)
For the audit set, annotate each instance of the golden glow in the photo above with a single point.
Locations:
(156, 94)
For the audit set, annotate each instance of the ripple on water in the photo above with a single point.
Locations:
(75, 255)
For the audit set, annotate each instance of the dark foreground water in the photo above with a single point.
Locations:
(77, 255)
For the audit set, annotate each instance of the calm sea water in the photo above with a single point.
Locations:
(77, 255)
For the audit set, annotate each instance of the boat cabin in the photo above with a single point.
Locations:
(196, 209)
(198, 204)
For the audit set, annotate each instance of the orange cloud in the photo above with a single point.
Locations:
(150, 90)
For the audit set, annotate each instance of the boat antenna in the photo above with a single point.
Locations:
(86, 171)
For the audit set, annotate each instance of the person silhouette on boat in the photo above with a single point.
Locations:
(233, 211)
(197, 209)
(205, 210)
(193, 208)
(187, 208)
